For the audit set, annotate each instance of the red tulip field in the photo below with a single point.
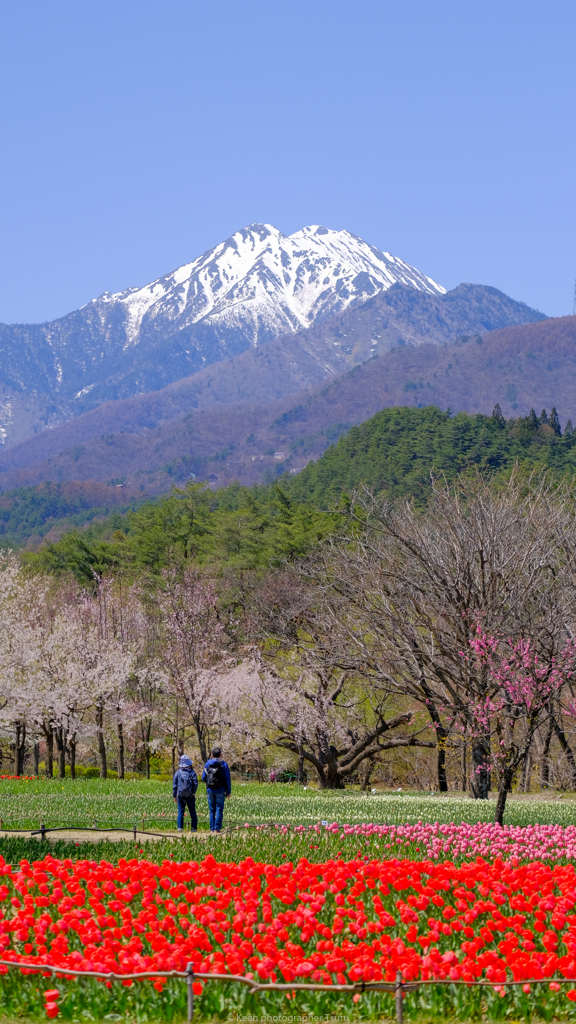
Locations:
(342, 919)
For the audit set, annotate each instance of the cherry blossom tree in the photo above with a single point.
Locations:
(104, 655)
(60, 659)
(523, 686)
(21, 601)
(192, 649)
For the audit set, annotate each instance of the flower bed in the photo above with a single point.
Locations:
(21, 778)
(484, 839)
(333, 922)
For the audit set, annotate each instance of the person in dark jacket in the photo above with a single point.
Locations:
(216, 775)
(184, 786)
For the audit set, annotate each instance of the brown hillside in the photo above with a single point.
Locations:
(281, 367)
(520, 367)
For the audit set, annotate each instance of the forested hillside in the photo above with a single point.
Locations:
(399, 452)
(28, 514)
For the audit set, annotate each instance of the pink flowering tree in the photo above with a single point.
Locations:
(523, 686)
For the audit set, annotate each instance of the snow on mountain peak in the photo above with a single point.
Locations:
(263, 283)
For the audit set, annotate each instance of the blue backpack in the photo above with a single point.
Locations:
(187, 782)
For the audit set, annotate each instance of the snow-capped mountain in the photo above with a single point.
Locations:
(260, 283)
(256, 286)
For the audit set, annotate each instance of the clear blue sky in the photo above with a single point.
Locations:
(136, 134)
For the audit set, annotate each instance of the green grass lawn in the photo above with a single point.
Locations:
(149, 805)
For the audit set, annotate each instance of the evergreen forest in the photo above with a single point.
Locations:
(399, 452)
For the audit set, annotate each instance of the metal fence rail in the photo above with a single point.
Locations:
(398, 987)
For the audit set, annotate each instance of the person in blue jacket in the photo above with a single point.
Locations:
(216, 775)
(184, 786)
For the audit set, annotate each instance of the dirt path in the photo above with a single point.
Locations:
(116, 836)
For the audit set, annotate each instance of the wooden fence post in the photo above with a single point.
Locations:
(190, 988)
(399, 998)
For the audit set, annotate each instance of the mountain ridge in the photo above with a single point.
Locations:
(256, 285)
(288, 365)
(246, 292)
(519, 367)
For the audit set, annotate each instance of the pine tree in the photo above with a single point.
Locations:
(533, 420)
(497, 415)
(543, 416)
(568, 429)
(555, 422)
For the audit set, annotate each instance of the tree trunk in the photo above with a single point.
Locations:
(60, 737)
(176, 731)
(36, 757)
(366, 775)
(544, 759)
(146, 738)
(19, 747)
(73, 756)
(49, 758)
(480, 767)
(526, 773)
(329, 776)
(463, 767)
(332, 778)
(120, 750)
(203, 739)
(503, 790)
(301, 775)
(101, 743)
(559, 730)
(178, 749)
(441, 737)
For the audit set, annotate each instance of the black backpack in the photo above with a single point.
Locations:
(186, 782)
(215, 775)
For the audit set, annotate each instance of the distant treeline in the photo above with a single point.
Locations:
(32, 511)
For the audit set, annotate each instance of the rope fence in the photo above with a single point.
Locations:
(133, 827)
(129, 827)
(399, 987)
(70, 822)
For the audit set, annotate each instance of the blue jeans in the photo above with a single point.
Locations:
(216, 798)
(190, 803)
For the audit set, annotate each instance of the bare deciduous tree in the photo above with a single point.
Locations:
(403, 594)
(318, 695)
